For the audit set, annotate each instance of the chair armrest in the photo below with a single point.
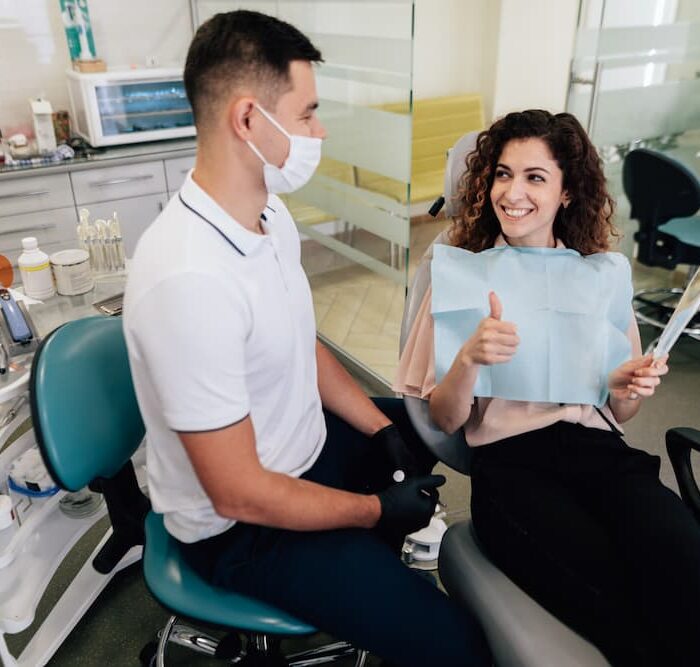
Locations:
(679, 442)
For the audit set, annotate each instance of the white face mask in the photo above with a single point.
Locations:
(298, 168)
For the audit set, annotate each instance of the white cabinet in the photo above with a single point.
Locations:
(34, 193)
(136, 192)
(40, 206)
(175, 172)
(101, 184)
(55, 230)
(47, 205)
(135, 214)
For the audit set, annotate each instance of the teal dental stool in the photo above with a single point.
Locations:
(88, 426)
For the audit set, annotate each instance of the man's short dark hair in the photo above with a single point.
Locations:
(242, 48)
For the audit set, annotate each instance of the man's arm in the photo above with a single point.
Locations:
(342, 396)
(228, 468)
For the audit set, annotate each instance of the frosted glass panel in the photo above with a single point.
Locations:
(369, 138)
(668, 108)
(371, 211)
(635, 70)
(677, 40)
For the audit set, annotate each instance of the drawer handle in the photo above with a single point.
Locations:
(24, 195)
(33, 228)
(119, 181)
(184, 171)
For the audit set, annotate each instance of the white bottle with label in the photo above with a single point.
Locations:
(35, 270)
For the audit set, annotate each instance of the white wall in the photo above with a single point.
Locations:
(453, 49)
(34, 52)
(535, 46)
(517, 54)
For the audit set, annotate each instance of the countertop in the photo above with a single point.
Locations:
(108, 157)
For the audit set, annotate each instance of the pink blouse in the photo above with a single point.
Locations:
(490, 419)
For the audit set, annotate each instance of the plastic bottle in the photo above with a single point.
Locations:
(35, 270)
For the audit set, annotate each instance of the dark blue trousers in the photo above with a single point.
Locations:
(349, 583)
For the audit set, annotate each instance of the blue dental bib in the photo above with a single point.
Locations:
(572, 314)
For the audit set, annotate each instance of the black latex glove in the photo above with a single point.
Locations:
(396, 453)
(408, 506)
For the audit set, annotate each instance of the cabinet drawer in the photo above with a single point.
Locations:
(175, 171)
(135, 215)
(34, 193)
(49, 227)
(107, 183)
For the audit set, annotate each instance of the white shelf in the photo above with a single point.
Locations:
(36, 549)
(36, 559)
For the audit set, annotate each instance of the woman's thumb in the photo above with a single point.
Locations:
(496, 308)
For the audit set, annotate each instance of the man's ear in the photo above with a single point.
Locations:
(240, 110)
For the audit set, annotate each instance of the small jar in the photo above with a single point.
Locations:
(71, 270)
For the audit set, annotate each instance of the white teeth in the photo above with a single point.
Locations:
(516, 212)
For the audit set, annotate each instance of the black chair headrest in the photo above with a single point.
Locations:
(659, 187)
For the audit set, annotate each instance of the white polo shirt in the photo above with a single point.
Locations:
(219, 324)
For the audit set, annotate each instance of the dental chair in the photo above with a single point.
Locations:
(665, 198)
(88, 426)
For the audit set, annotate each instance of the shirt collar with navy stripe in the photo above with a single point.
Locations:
(201, 204)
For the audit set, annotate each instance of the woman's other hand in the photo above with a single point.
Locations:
(637, 378)
(494, 341)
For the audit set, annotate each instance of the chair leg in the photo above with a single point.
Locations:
(361, 658)
(326, 654)
(163, 642)
(196, 640)
(258, 644)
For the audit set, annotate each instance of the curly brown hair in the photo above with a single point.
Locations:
(585, 225)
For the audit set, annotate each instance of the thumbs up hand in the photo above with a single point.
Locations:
(494, 341)
(496, 307)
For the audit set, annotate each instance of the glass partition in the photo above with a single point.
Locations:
(636, 81)
(636, 69)
(354, 215)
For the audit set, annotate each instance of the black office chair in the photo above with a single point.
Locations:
(680, 442)
(664, 196)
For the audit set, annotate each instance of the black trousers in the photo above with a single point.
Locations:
(581, 522)
(349, 583)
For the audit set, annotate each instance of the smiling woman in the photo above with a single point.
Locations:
(527, 311)
(535, 162)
